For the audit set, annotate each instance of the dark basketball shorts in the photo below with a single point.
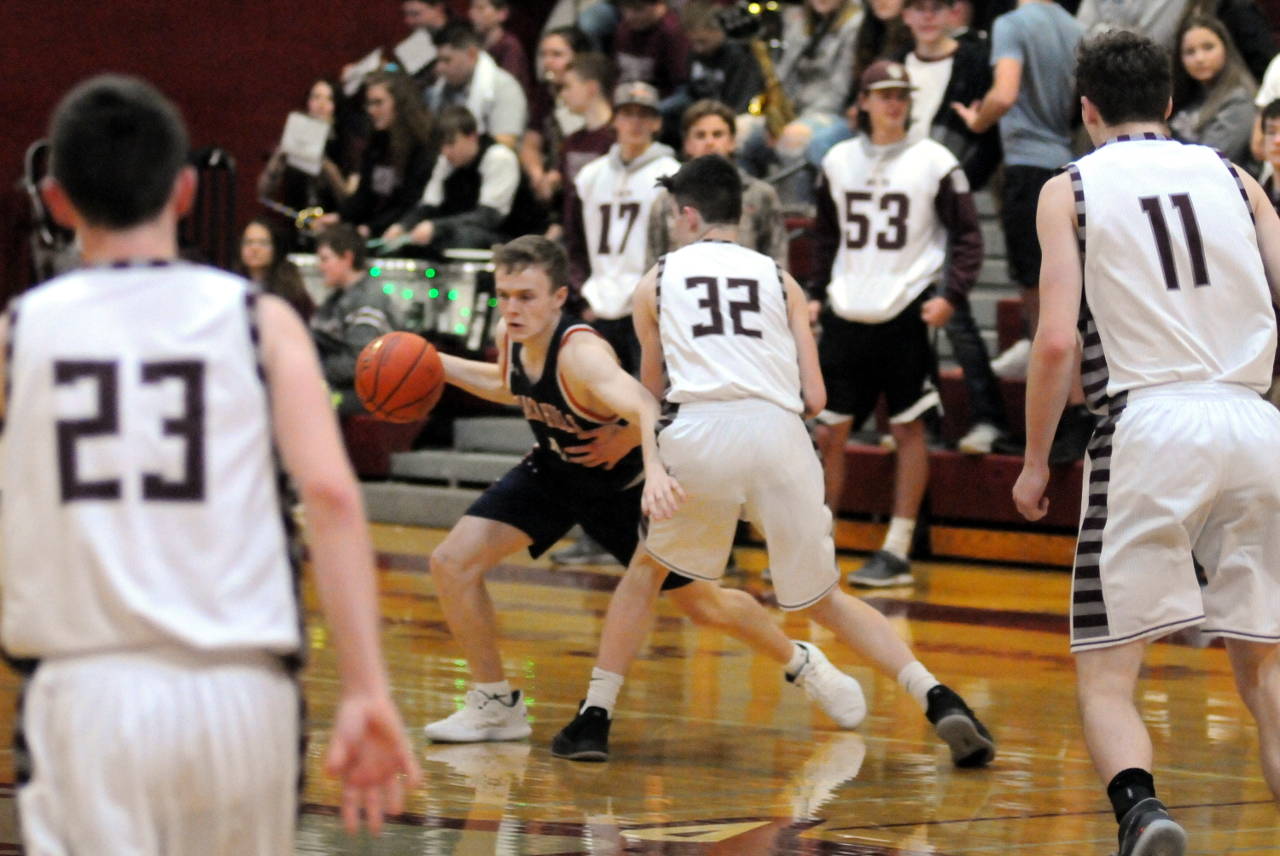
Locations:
(545, 506)
(860, 362)
(1018, 202)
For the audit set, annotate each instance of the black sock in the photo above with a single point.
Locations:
(1129, 788)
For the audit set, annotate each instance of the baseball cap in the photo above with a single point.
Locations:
(635, 92)
(884, 74)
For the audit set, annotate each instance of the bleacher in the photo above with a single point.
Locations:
(968, 510)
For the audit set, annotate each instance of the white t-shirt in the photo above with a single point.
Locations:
(930, 78)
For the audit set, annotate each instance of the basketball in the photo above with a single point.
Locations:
(399, 377)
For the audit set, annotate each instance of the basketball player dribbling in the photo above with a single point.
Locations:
(732, 332)
(148, 592)
(1160, 255)
(567, 380)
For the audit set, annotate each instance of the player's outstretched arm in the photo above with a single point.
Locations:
(592, 374)
(1267, 224)
(478, 377)
(368, 749)
(812, 386)
(1055, 350)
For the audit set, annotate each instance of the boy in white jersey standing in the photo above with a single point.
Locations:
(606, 230)
(1165, 258)
(741, 366)
(143, 398)
(899, 248)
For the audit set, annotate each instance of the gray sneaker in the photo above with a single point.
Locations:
(1147, 830)
(585, 552)
(883, 569)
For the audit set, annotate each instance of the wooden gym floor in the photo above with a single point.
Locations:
(714, 755)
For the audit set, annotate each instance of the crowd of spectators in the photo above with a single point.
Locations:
(490, 137)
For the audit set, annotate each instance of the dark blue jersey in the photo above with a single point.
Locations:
(556, 418)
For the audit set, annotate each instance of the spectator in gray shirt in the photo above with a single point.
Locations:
(470, 78)
(1212, 89)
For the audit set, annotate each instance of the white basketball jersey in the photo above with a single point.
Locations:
(1174, 288)
(722, 313)
(893, 244)
(616, 200)
(140, 500)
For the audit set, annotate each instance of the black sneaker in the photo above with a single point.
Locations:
(1147, 830)
(883, 569)
(584, 739)
(971, 744)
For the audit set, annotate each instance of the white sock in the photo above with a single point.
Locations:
(602, 691)
(898, 539)
(498, 689)
(797, 661)
(917, 680)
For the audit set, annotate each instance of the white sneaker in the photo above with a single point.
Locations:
(838, 694)
(483, 718)
(979, 439)
(1012, 362)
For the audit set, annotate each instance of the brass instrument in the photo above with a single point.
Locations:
(755, 21)
(773, 103)
(304, 220)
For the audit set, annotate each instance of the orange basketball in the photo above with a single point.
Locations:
(399, 377)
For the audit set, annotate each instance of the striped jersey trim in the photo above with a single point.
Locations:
(1235, 175)
(1089, 618)
(657, 285)
(8, 360)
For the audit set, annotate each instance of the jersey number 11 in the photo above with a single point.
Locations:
(1190, 228)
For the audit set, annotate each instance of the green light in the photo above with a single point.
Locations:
(460, 329)
(375, 271)
(407, 294)
(453, 294)
(388, 288)
(431, 273)
(433, 293)
(493, 301)
(464, 312)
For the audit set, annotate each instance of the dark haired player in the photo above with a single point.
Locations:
(1159, 255)
(732, 331)
(567, 380)
(149, 597)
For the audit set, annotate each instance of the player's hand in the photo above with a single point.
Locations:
(662, 494)
(606, 445)
(423, 233)
(370, 754)
(1028, 491)
(969, 114)
(937, 311)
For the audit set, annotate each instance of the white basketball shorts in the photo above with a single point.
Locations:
(746, 459)
(1182, 469)
(160, 752)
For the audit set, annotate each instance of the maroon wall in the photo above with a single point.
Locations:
(235, 68)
